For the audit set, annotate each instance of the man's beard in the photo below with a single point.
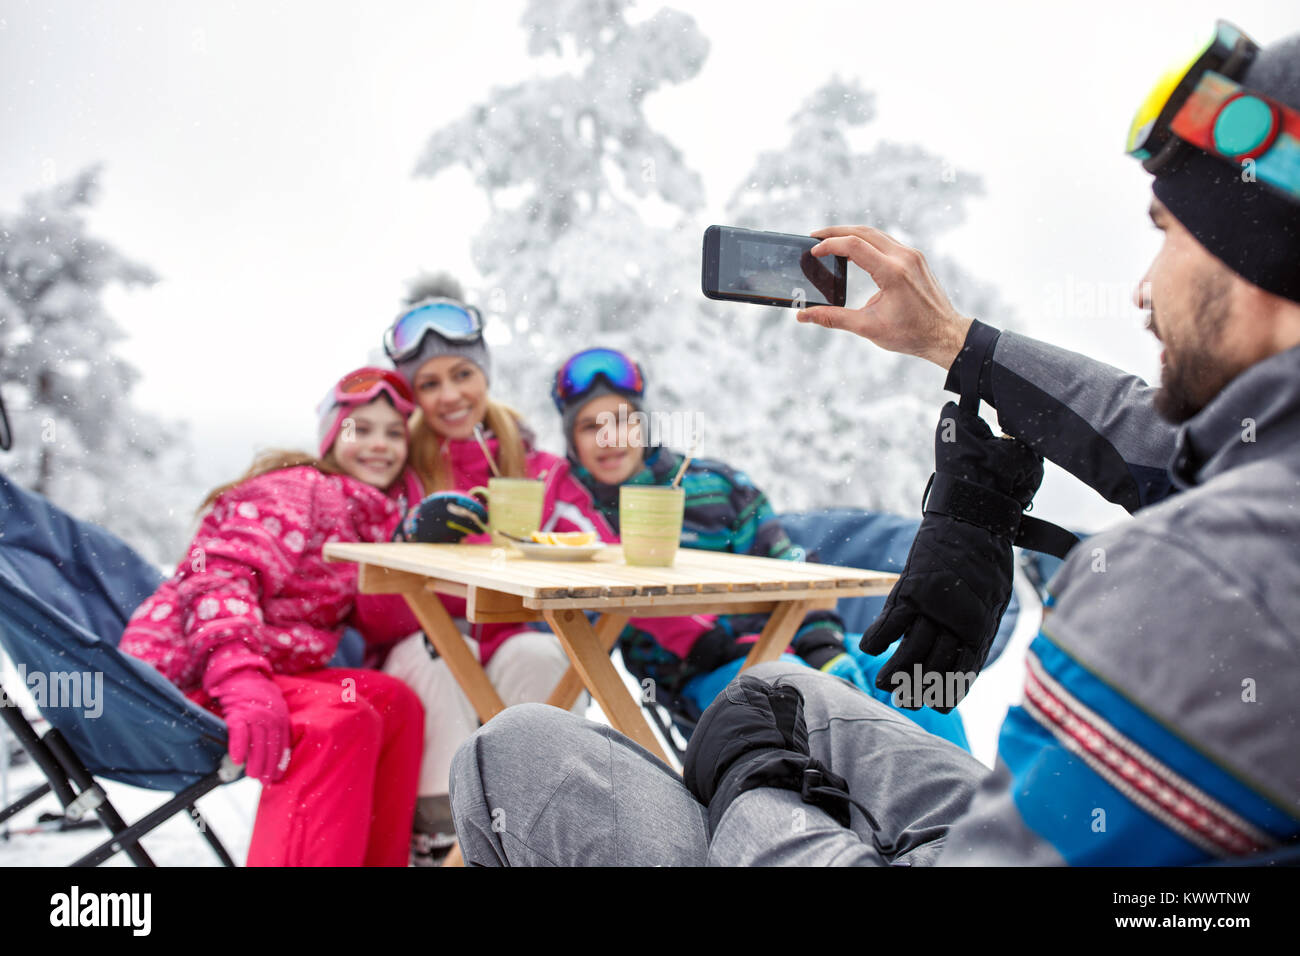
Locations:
(1198, 371)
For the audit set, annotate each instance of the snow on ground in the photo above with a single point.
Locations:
(230, 810)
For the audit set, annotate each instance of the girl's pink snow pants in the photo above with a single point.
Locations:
(348, 796)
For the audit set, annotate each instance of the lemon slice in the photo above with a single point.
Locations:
(571, 539)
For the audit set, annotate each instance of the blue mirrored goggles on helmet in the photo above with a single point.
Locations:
(447, 317)
(577, 375)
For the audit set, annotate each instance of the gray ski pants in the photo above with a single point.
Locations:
(538, 786)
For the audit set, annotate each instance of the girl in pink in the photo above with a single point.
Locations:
(250, 620)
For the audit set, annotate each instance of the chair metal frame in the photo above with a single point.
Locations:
(68, 778)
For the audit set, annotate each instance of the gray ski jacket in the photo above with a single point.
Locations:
(1162, 696)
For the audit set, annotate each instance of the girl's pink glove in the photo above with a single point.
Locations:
(257, 723)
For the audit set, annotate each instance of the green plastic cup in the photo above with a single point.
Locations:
(514, 506)
(650, 524)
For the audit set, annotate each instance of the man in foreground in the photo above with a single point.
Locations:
(1159, 713)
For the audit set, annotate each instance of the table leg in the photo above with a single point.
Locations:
(781, 626)
(608, 627)
(598, 673)
(463, 663)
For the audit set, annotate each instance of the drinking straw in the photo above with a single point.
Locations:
(690, 456)
(682, 470)
(478, 435)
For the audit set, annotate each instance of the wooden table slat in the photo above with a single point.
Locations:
(724, 576)
(612, 573)
(799, 570)
(605, 578)
(702, 603)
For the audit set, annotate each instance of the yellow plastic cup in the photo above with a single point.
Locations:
(514, 506)
(650, 524)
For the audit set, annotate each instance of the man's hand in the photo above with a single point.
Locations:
(910, 314)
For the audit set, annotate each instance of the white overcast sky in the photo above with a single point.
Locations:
(258, 156)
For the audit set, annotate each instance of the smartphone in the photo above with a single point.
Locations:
(770, 268)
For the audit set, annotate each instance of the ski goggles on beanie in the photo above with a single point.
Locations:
(582, 371)
(1201, 103)
(448, 318)
(365, 384)
(355, 389)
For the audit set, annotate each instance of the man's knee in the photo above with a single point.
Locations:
(530, 719)
(772, 670)
(518, 736)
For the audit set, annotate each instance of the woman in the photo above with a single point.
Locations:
(690, 659)
(437, 346)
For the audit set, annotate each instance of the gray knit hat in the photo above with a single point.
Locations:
(426, 290)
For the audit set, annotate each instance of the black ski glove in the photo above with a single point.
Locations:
(956, 584)
(753, 735)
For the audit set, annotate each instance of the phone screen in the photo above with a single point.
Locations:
(774, 268)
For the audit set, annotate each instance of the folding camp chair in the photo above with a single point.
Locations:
(67, 589)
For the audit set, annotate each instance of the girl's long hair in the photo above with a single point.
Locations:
(275, 459)
(431, 464)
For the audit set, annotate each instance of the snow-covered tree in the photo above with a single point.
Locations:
(574, 174)
(77, 439)
(847, 422)
(569, 163)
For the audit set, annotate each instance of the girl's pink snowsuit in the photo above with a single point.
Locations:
(254, 591)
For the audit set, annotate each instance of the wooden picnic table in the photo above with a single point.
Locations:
(501, 585)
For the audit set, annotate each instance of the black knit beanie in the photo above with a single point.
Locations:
(1250, 226)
